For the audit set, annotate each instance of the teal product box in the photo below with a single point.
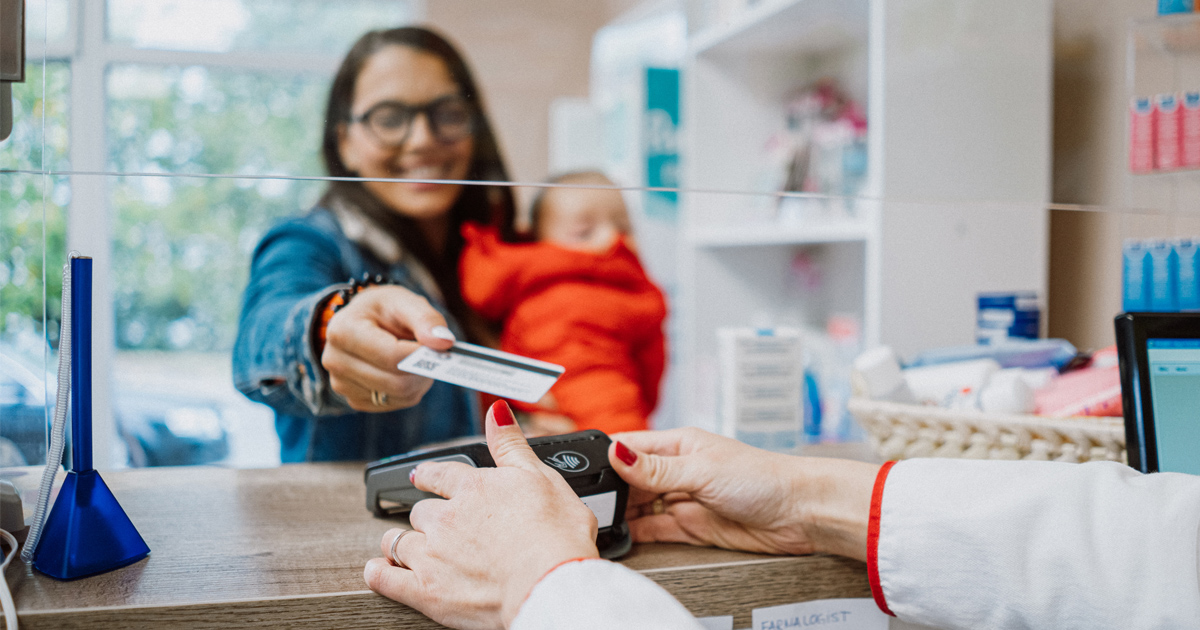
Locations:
(1136, 277)
(1187, 278)
(1164, 267)
(1166, 7)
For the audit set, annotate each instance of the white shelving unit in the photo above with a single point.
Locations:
(756, 234)
(957, 94)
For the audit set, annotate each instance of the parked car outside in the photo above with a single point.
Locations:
(157, 428)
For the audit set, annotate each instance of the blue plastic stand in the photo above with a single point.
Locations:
(87, 531)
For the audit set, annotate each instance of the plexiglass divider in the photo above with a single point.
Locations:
(166, 142)
(906, 274)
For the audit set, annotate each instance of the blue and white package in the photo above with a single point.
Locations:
(1136, 276)
(1163, 268)
(1023, 353)
(1187, 278)
(1003, 316)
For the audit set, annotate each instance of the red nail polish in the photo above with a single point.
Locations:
(412, 474)
(502, 414)
(626, 455)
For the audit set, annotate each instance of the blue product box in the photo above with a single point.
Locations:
(1003, 316)
(1187, 256)
(1136, 277)
(1164, 266)
(1166, 7)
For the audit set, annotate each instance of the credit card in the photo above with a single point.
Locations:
(475, 367)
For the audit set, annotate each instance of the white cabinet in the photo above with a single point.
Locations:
(957, 94)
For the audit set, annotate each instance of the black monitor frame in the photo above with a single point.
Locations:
(1133, 332)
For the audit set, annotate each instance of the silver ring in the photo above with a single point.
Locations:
(396, 561)
(378, 398)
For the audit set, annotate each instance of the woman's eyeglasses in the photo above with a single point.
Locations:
(450, 118)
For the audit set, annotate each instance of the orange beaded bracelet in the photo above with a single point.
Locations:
(339, 300)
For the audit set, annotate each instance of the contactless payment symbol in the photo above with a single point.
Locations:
(568, 461)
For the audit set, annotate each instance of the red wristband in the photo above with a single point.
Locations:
(873, 539)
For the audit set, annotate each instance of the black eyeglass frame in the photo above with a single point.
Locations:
(427, 109)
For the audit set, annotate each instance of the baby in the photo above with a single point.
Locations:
(577, 297)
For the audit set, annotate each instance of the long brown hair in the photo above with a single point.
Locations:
(493, 205)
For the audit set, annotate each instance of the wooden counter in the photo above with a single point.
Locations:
(285, 547)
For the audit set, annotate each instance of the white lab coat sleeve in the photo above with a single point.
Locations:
(998, 544)
(601, 595)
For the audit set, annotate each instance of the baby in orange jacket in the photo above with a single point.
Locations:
(577, 297)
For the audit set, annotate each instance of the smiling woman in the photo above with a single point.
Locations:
(403, 106)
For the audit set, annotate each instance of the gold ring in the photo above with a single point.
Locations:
(396, 561)
(658, 506)
(378, 398)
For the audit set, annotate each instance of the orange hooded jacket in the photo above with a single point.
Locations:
(597, 315)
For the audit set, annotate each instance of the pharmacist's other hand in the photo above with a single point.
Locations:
(691, 486)
(367, 338)
(475, 555)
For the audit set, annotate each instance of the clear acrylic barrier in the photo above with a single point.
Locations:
(167, 152)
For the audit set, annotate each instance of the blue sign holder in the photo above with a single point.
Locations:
(87, 532)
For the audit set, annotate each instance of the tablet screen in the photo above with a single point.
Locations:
(1175, 395)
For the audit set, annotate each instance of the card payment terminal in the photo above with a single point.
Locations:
(581, 458)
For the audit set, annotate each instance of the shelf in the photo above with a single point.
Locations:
(793, 26)
(780, 234)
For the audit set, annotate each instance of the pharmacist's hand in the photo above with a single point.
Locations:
(369, 336)
(691, 486)
(475, 556)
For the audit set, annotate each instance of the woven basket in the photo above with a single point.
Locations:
(899, 431)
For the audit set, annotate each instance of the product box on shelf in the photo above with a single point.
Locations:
(1167, 113)
(1160, 275)
(1141, 135)
(1189, 154)
(1187, 253)
(762, 386)
(1164, 267)
(1135, 275)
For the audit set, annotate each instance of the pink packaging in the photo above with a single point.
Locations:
(1167, 114)
(1190, 130)
(1092, 391)
(1141, 135)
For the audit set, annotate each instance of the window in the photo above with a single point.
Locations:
(32, 239)
(134, 106)
(173, 235)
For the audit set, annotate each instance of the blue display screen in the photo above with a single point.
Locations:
(1175, 396)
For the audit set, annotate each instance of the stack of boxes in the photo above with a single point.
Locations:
(1164, 132)
(1161, 275)
(1004, 316)
(762, 384)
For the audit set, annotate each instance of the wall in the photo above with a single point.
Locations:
(525, 53)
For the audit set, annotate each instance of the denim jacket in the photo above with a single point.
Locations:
(295, 267)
